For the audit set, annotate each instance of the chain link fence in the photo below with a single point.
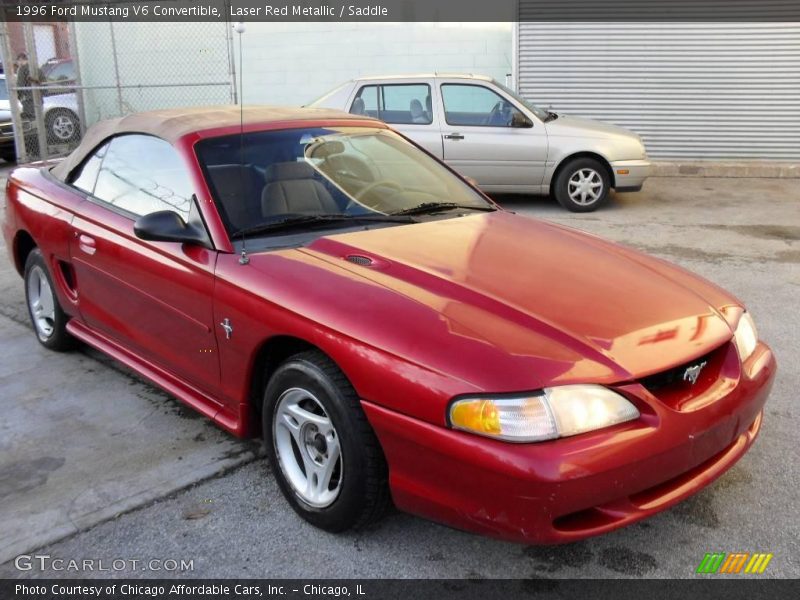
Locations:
(60, 78)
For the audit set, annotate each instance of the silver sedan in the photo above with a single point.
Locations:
(504, 143)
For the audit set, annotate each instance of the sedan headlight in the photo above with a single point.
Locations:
(546, 415)
(745, 337)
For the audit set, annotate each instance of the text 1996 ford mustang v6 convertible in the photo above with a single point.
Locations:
(391, 332)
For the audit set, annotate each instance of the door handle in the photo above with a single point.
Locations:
(454, 136)
(87, 244)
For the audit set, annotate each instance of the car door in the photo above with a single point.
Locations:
(487, 137)
(408, 106)
(152, 298)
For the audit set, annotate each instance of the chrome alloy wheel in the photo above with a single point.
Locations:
(585, 187)
(307, 447)
(63, 127)
(41, 302)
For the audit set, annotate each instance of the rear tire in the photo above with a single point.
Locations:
(48, 319)
(325, 456)
(582, 185)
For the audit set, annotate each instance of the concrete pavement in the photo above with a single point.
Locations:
(744, 234)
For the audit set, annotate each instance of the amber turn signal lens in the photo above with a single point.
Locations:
(623, 171)
(479, 416)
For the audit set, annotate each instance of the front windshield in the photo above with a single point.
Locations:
(268, 177)
(539, 112)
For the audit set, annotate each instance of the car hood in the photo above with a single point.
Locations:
(508, 302)
(567, 125)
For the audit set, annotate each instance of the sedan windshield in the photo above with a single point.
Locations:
(538, 111)
(330, 177)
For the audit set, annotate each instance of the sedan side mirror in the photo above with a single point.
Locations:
(168, 226)
(520, 121)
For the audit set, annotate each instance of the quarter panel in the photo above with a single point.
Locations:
(45, 210)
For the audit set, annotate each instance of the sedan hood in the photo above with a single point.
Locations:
(570, 305)
(567, 125)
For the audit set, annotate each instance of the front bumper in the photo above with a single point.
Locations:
(629, 175)
(572, 488)
(6, 134)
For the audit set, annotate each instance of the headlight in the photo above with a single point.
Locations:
(546, 415)
(746, 336)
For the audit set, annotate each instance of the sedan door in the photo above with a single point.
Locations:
(407, 105)
(152, 298)
(487, 137)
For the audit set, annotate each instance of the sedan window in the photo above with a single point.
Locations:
(400, 103)
(141, 174)
(59, 71)
(476, 105)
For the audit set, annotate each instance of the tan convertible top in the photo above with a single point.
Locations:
(173, 124)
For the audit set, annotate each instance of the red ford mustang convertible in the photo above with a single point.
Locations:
(316, 278)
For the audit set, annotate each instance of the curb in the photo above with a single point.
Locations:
(757, 169)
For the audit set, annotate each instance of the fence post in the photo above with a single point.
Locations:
(13, 102)
(116, 68)
(74, 52)
(38, 107)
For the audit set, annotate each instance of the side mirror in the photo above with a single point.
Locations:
(167, 226)
(520, 121)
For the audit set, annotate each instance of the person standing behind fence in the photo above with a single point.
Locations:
(25, 80)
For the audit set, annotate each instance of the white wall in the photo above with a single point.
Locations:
(284, 63)
(294, 63)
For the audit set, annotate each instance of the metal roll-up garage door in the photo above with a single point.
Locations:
(708, 91)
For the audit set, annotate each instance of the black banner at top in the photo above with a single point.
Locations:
(402, 10)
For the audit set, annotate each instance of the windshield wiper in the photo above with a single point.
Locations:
(432, 207)
(290, 222)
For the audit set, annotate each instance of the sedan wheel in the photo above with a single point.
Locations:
(582, 185)
(324, 454)
(585, 187)
(48, 319)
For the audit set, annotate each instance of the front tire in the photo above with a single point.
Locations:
(325, 456)
(48, 319)
(582, 185)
